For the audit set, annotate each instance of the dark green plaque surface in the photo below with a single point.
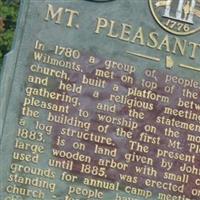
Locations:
(100, 100)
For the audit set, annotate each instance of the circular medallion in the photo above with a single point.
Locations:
(180, 17)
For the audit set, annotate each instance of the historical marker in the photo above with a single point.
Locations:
(100, 100)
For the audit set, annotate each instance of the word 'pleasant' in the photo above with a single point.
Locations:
(137, 35)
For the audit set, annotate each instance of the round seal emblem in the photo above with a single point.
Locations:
(180, 17)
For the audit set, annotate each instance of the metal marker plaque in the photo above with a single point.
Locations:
(100, 100)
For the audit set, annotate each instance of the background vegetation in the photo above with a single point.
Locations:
(8, 18)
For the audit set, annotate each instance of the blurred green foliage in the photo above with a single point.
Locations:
(8, 18)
